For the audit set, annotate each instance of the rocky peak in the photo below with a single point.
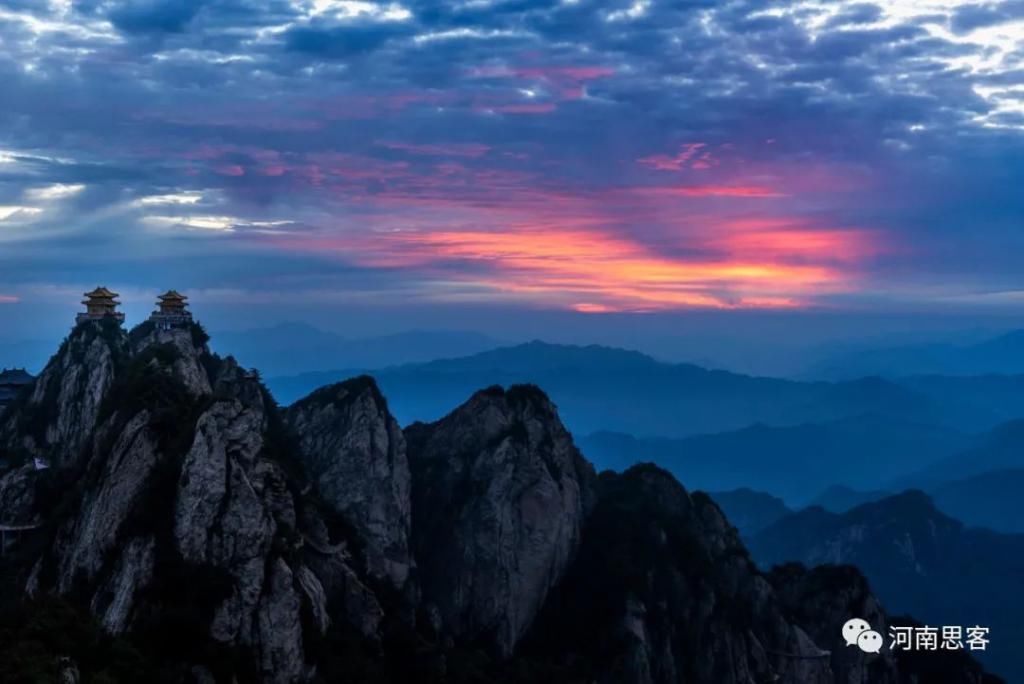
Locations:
(661, 572)
(183, 522)
(186, 345)
(354, 451)
(230, 541)
(908, 521)
(499, 496)
(663, 591)
(55, 418)
(823, 598)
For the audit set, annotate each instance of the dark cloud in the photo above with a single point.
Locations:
(969, 17)
(340, 42)
(341, 122)
(160, 16)
(859, 13)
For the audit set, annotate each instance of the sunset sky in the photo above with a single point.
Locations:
(591, 158)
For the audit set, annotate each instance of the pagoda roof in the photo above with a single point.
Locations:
(101, 293)
(173, 296)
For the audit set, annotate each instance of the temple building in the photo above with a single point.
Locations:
(100, 304)
(172, 312)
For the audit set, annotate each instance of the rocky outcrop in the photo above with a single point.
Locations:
(18, 496)
(56, 418)
(187, 347)
(354, 451)
(225, 540)
(499, 497)
(823, 598)
(188, 504)
(918, 560)
(662, 591)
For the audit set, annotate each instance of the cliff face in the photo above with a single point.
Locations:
(184, 523)
(57, 417)
(228, 541)
(354, 450)
(919, 561)
(662, 591)
(499, 497)
(11, 383)
(54, 420)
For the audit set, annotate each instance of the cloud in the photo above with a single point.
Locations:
(754, 191)
(655, 131)
(15, 211)
(339, 42)
(469, 150)
(858, 13)
(55, 191)
(971, 16)
(161, 16)
(589, 271)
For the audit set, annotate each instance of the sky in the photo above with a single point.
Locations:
(552, 164)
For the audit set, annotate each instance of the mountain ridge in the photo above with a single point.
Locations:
(606, 388)
(918, 560)
(202, 529)
(1000, 354)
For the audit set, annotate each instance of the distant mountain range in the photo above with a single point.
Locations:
(918, 560)
(840, 498)
(750, 511)
(1003, 355)
(12, 380)
(189, 529)
(290, 348)
(793, 462)
(606, 389)
(1001, 448)
(990, 499)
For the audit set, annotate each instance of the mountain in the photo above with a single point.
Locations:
(290, 348)
(188, 530)
(606, 389)
(1000, 355)
(499, 496)
(989, 500)
(11, 383)
(977, 403)
(750, 511)
(840, 498)
(794, 463)
(918, 560)
(1000, 449)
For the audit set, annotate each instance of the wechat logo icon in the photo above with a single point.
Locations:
(857, 632)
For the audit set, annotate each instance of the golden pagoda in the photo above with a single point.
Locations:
(171, 311)
(101, 303)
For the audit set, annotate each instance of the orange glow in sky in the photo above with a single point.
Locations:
(595, 272)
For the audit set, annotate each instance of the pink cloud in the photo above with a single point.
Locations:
(677, 162)
(8, 299)
(545, 73)
(230, 170)
(468, 150)
(521, 108)
(584, 270)
(501, 232)
(752, 191)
